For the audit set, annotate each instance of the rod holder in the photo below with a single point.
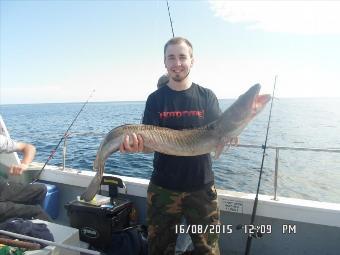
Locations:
(277, 154)
(64, 152)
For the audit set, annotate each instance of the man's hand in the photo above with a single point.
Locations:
(225, 142)
(18, 169)
(135, 145)
(234, 141)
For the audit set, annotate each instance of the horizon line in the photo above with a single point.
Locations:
(140, 101)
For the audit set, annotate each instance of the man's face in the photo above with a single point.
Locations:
(178, 61)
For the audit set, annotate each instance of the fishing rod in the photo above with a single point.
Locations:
(250, 237)
(62, 138)
(172, 29)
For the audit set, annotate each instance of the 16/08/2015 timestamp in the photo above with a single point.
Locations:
(203, 229)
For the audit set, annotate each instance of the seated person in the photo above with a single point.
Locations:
(16, 199)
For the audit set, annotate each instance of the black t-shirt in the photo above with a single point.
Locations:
(191, 108)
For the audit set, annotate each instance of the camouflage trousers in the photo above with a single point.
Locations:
(164, 213)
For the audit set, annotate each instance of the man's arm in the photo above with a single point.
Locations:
(137, 144)
(28, 152)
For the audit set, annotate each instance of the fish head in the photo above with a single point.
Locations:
(243, 110)
(251, 102)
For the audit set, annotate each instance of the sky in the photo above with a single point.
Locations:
(59, 51)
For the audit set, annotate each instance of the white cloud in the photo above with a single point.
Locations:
(301, 17)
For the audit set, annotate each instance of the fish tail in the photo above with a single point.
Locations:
(93, 188)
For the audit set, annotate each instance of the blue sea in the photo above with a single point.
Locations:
(312, 123)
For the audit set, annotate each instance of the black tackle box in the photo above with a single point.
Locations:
(97, 223)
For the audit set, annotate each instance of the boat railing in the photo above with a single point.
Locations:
(276, 148)
(72, 134)
(277, 154)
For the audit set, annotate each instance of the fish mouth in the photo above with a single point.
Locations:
(259, 101)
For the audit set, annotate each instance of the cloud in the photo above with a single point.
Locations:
(298, 17)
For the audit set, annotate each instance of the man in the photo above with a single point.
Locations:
(19, 200)
(179, 186)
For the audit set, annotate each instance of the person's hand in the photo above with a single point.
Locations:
(233, 141)
(226, 142)
(18, 169)
(132, 143)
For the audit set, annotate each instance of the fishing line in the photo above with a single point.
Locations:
(62, 138)
(172, 29)
(250, 237)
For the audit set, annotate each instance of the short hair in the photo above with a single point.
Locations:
(178, 40)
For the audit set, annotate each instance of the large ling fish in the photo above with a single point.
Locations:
(188, 142)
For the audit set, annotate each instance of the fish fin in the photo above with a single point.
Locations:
(219, 149)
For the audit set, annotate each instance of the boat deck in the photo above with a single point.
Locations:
(288, 225)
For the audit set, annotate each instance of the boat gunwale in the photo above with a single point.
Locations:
(293, 209)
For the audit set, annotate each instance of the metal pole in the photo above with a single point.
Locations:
(276, 172)
(64, 153)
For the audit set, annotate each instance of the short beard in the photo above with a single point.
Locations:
(180, 79)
